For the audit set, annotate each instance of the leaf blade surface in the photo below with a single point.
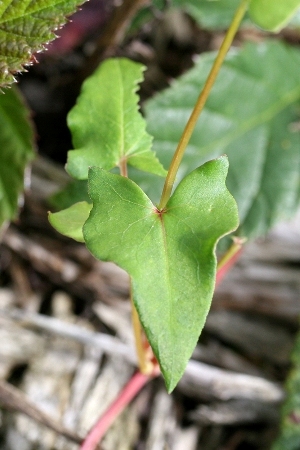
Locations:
(25, 27)
(169, 255)
(17, 150)
(273, 16)
(106, 125)
(70, 221)
(210, 15)
(249, 96)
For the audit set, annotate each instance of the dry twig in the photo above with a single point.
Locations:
(12, 398)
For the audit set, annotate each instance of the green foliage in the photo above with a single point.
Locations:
(69, 221)
(251, 115)
(25, 26)
(270, 15)
(209, 14)
(218, 14)
(169, 254)
(273, 15)
(106, 126)
(289, 436)
(74, 192)
(17, 149)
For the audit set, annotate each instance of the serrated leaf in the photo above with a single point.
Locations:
(106, 126)
(252, 115)
(17, 150)
(25, 26)
(169, 255)
(273, 15)
(70, 221)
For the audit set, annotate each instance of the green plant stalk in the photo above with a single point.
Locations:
(229, 258)
(123, 167)
(144, 363)
(230, 253)
(189, 128)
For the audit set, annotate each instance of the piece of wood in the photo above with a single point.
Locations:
(266, 279)
(186, 438)
(17, 346)
(163, 422)
(105, 342)
(114, 375)
(235, 412)
(255, 337)
(15, 400)
(83, 381)
(200, 380)
(207, 383)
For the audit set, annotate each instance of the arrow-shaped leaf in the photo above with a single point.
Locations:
(106, 126)
(169, 254)
(25, 26)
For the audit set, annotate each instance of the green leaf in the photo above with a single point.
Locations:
(169, 254)
(252, 115)
(70, 221)
(75, 191)
(273, 15)
(25, 26)
(216, 14)
(17, 150)
(106, 125)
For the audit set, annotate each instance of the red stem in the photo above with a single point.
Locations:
(227, 266)
(134, 385)
(137, 382)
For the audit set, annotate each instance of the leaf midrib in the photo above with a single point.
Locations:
(167, 265)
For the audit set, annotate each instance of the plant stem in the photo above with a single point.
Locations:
(229, 259)
(123, 167)
(135, 384)
(189, 128)
(13, 399)
(144, 364)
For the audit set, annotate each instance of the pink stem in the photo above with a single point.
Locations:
(134, 385)
(227, 266)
